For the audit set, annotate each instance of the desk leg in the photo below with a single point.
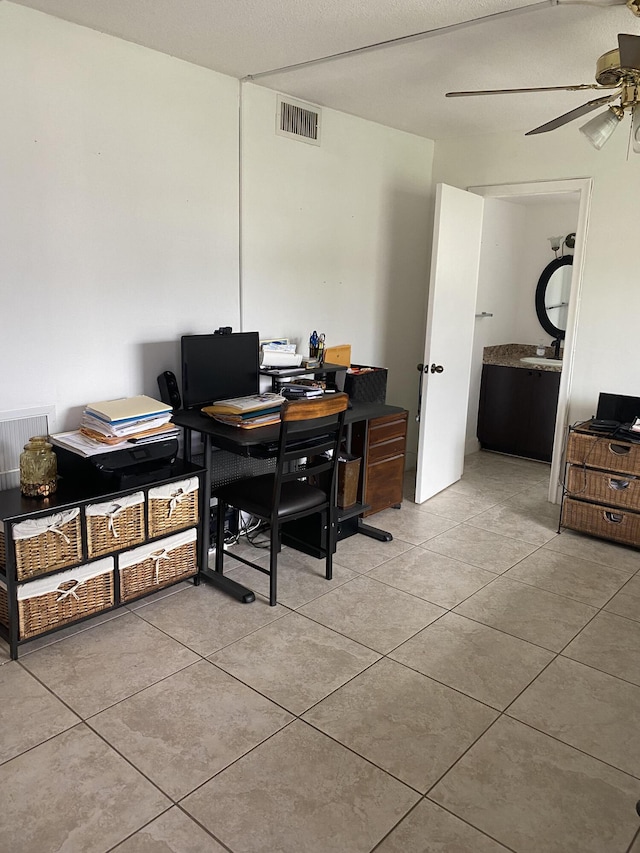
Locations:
(367, 529)
(186, 450)
(374, 532)
(246, 596)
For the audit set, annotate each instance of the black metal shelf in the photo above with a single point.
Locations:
(352, 511)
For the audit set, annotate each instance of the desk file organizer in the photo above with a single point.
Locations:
(368, 386)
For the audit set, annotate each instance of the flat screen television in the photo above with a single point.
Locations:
(218, 367)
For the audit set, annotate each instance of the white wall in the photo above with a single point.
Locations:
(542, 221)
(605, 358)
(336, 238)
(118, 212)
(120, 220)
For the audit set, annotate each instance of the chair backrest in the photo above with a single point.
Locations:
(311, 429)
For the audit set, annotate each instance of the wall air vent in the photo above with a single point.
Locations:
(298, 120)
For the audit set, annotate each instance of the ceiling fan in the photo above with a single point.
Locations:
(617, 70)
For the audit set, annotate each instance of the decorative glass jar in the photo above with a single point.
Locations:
(38, 468)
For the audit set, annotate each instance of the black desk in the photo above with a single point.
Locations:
(260, 443)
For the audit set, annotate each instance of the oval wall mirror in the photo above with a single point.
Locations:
(552, 296)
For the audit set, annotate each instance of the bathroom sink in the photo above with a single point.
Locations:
(540, 359)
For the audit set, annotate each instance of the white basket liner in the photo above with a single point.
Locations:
(3, 585)
(113, 508)
(153, 549)
(36, 526)
(51, 583)
(174, 490)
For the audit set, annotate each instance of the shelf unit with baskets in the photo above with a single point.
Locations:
(602, 486)
(81, 551)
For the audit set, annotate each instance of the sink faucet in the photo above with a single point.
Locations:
(555, 343)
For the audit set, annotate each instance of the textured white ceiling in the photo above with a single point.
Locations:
(401, 85)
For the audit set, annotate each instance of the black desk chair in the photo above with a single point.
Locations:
(309, 429)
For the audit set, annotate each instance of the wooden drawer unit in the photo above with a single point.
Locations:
(391, 449)
(382, 445)
(390, 426)
(602, 487)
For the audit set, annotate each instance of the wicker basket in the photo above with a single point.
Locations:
(66, 597)
(47, 543)
(115, 524)
(4, 605)
(173, 506)
(603, 487)
(601, 452)
(157, 564)
(601, 521)
(3, 550)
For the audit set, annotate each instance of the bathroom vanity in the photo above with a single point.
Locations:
(518, 401)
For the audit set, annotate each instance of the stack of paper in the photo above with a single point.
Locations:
(82, 445)
(139, 419)
(279, 355)
(247, 412)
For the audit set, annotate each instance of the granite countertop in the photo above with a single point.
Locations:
(509, 355)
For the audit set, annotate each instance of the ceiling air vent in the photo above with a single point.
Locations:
(298, 120)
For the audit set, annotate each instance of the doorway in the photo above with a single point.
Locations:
(580, 188)
(456, 260)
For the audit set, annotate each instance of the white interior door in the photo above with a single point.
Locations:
(449, 340)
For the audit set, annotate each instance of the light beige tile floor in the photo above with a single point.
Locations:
(471, 687)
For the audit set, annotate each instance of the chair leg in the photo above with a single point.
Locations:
(221, 513)
(331, 544)
(274, 547)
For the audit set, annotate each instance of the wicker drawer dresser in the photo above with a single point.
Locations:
(602, 487)
(78, 553)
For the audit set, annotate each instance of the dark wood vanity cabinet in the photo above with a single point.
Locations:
(517, 412)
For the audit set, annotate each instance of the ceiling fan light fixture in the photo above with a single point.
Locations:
(600, 128)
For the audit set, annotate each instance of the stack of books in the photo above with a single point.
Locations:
(299, 390)
(247, 412)
(140, 420)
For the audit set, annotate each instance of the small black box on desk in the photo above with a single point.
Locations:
(366, 384)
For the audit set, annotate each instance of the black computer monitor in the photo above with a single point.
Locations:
(218, 367)
(618, 407)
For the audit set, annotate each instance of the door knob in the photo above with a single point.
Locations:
(437, 368)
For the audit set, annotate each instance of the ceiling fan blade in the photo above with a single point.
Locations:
(629, 49)
(573, 114)
(577, 88)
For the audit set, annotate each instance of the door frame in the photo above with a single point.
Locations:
(584, 186)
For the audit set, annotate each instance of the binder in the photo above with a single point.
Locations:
(127, 409)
